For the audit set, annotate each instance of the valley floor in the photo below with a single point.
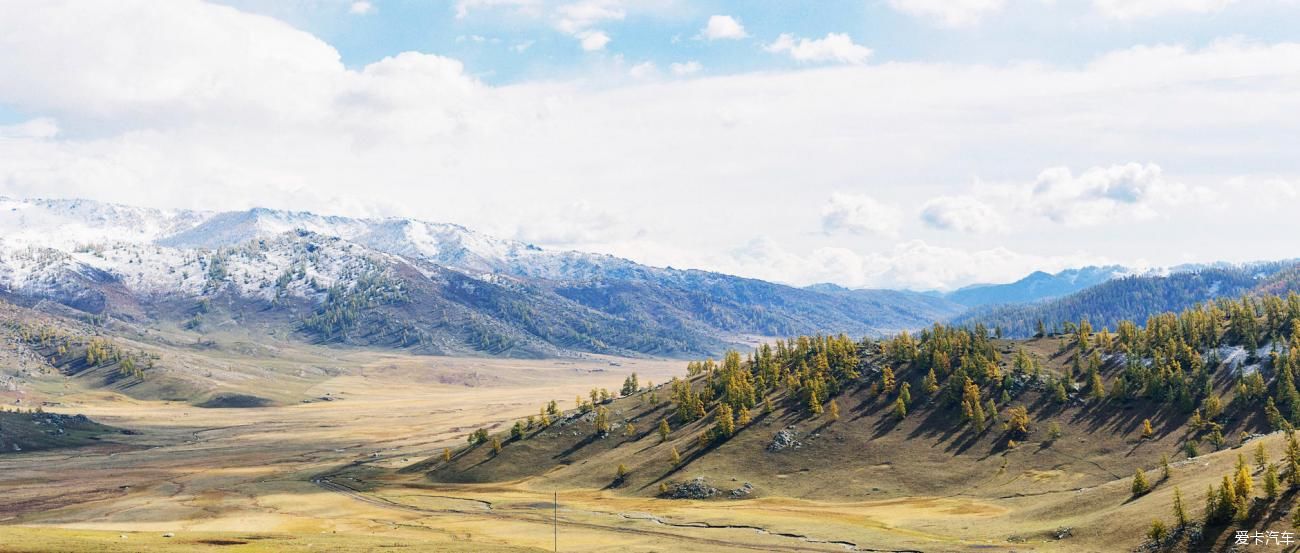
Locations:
(321, 476)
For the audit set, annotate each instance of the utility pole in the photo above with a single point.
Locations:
(555, 519)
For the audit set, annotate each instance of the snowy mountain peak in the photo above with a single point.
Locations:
(81, 226)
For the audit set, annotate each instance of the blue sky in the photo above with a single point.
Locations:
(875, 143)
(488, 39)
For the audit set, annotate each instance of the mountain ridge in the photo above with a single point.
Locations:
(433, 287)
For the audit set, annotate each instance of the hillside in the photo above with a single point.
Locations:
(1053, 428)
(37, 430)
(402, 283)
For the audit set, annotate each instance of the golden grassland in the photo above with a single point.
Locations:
(325, 475)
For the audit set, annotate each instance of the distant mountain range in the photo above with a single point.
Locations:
(445, 289)
(1035, 287)
(1137, 297)
(430, 287)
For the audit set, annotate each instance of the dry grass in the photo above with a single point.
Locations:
(217, 476)
(195, 471)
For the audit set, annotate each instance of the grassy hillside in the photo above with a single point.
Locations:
(52, 350)
(36, 430)
(951, 412)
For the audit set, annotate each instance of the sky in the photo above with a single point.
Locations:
(920, 144)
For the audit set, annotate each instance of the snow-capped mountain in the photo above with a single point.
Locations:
(403, 283)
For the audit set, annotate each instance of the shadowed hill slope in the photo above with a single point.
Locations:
(1055, 427)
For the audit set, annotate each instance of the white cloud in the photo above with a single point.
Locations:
(686, 68)
(953, 13)
(835, 47)
(522, 46)
(1103, 194)
(41, 127)
(962, 214)
(1139, 9)
(227, 62)
(527, 7)
(860, 214)
(579, 18)
(643, 70)
(571, 225)
(1271, 193)
(593, 40)
(361, 8)
(723, 27)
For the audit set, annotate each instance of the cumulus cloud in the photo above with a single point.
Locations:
(1139, 9)
(193, 72)
(835, 47)
(361, 8)
(579, 18)
(685, 68)
(1103, 194)
(592, 41)
(723, 27)
(860, 214)
(952, 13)
(962, 214)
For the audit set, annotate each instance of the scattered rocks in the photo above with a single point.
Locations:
(787, 437)
(695, 488)
(1019, 382)
(169, 535)
(1063, 532)
(743, 491)
(1195, 532)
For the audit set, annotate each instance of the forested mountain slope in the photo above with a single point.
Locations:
(1135, 298)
